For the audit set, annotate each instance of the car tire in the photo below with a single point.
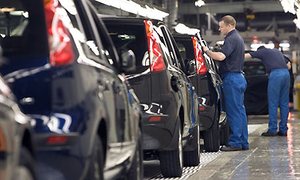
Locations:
(136, 171)
(25, 169)
(224, 134)
(192, 158)
(171, 162)
(97, 161)
(211, 136)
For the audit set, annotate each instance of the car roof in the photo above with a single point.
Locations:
(177, 35)
(122, 19)
(128, 20)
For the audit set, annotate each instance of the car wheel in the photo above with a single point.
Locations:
(171, 162)
(211, 136)
(25, 168)
(136, 171)
(224, 134)
(97, 161)
(192, 158)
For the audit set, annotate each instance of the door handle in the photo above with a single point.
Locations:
(175, 83)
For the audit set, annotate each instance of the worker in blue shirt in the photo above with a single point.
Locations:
(278, 88)
(231, 59)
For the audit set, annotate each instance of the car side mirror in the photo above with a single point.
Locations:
(191, 67)
(128, 61)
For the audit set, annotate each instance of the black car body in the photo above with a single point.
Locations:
(16, 148)
(256, 97)
(66, 75)
(167, 98)
(212, 118)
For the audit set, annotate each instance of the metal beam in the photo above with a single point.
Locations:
(231, 7)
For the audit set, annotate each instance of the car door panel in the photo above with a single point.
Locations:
(256, 98)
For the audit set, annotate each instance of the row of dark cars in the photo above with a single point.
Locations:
(91, 96)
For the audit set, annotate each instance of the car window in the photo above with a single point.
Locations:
(182, 50)
(164, 39)
(91, 44)
(130, 37)
(175, 48)
(21, 24)
(108, 47)
(254, 67)
(185, 49)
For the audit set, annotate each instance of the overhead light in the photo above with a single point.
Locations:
(183, 29)
(135, 8)
(199, 3)
(284, 45)
(257, 45)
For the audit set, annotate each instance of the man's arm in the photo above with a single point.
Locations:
(248, 55)
(219, 56)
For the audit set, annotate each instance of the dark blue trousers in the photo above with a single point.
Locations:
(278, 96)
(234, 87)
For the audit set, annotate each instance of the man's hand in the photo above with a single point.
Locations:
(218, 56)
(247, 56)
(205, 49)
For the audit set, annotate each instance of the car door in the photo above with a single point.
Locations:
(109, 89)
(210, 82)
(121, 125)
(256, 98)
(178, 64)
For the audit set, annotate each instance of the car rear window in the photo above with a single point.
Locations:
(131, 37)
(22, 28)
(185, 48)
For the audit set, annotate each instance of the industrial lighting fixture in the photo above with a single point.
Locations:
(135, 8)
(199, 3)
(285, 45)
(254, 47)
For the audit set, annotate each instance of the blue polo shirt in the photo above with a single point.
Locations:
(271, 58)
(234, 50)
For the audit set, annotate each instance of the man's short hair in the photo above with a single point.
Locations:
(229, 20)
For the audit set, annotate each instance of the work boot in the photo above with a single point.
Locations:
(230, 148)
(281, 133)
(268, 133)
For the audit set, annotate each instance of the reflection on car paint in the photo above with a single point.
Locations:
(57, 122)
(11, 77)
(153, 108)
(147, 71)
(3, 143)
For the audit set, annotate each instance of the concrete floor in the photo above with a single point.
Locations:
(268, 157)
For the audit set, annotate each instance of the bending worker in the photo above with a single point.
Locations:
(278, 88)
(231, 60)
